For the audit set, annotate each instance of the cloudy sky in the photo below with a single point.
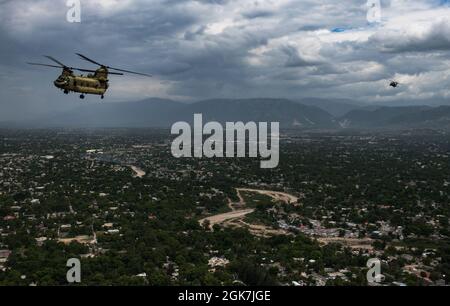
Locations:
(203, 49)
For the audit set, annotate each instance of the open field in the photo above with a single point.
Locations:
(275, 195)
(235, 216)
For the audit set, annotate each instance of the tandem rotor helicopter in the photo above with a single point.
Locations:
(394, 84)
(95, 83)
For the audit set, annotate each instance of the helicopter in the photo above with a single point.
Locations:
(95, 83)
(394, 84)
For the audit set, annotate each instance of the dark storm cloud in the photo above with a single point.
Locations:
(221, 2)
(257, 14)
(435, 38)
(223, 48)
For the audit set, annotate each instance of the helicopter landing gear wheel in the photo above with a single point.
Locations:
(66, 92)
(81, 96)
(102, 97)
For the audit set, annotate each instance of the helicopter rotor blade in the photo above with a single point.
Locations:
(97, 63)
(89, 60)
(38, 64)
(79, 69)
(132, 72)
(55, 60)
(65, 67)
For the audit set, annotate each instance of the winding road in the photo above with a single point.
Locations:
(239, 214)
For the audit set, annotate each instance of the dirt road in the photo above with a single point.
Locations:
(235, 214)
(138, 172)
(239, 214)
(276, 195)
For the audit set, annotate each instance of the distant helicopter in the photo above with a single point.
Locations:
(95, 83)
(394, 84)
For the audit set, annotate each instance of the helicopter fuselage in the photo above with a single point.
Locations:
(90, 84)
(95, 83)
(394, 84)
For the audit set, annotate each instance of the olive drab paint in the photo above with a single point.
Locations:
(94, 83)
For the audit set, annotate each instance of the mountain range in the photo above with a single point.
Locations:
(163, 113)
(311, 113)
(398, 117)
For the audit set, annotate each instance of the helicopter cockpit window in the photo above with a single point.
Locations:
(63, 79)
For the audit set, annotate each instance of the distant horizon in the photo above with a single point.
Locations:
(311, 113)
(91, 101)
